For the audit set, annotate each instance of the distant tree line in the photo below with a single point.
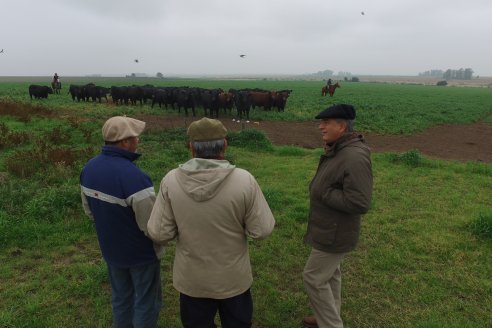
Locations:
(322, 74)
(450, 74)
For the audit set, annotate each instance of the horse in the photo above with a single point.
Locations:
(56, 86)
(329, 89)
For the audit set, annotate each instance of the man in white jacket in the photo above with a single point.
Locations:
(211, 207)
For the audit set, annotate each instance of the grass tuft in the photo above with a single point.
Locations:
(411, 158)
(482, 225)
(250, 139)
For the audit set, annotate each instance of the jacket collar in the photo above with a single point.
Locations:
(332, 148)
(120, 152)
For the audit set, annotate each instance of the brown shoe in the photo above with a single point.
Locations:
(309, 322)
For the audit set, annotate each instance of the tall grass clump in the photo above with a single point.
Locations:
(411, 158)
(482, 225)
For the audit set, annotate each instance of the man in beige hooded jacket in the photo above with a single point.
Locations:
(211, 207)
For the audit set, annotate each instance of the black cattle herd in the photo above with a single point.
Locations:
(188, 98)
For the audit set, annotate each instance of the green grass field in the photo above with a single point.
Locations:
(381, 108)
(425, 249)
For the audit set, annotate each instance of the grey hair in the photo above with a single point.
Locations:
(348, 123)
(208, 149)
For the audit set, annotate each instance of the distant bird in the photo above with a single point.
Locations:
(242, 56)
(1, 52)
(362, 13)
(135, 60)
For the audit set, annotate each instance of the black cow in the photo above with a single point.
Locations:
(281, 99)
(39, 91)
(135, 93)
(210, 101)
(186, 98)
(147, 92)
(243, 101)
(159, 97)
(74, 91)
(119, 95)
(97, 92)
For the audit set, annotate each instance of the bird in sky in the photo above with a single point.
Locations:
(242, 56)
(362, 13)
(1, 52)
(136, 60)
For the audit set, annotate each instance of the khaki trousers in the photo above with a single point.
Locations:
(323, 283)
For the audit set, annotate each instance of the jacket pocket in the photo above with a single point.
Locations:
(324, 234)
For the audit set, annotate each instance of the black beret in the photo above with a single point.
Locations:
(343, 111)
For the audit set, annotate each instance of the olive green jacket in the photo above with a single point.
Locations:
(339, 193)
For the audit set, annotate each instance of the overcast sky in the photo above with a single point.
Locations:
(197, 37)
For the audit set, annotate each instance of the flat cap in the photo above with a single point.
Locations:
(121, 127)
(343, 111)
(206, 129)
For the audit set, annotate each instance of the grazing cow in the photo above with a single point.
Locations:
(329, 89)
(159, 97)
(226, 101)
(74, 91)
(210, 101)
(119, 95)
(185, 98)
(39, 91)
(262, 99)
(281, 99)
(97, 92)
(147, 92)
(135, 93)
(243, 102)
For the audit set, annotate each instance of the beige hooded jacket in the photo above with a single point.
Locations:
(210, 207)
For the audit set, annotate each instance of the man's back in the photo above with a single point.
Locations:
(211, 207)
(111, 184)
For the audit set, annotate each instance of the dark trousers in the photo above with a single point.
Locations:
(136, 295)
(234, 312)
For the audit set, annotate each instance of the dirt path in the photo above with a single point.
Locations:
(471, 142)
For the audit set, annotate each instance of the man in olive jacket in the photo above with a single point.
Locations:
(211, 208)
(339, 193)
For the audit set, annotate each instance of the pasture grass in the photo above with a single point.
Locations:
(422, 260)
(381, 107)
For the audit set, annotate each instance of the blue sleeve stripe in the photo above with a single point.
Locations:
(103, 197)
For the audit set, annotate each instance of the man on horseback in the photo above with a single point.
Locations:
(56, 84)
(328, 83)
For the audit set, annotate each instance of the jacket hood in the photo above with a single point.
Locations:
(201, 179)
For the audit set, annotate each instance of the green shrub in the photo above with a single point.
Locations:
(482, 225)
(412, 158)
(250, 139)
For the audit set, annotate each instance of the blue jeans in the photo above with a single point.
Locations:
(234, 312)
(136, 295)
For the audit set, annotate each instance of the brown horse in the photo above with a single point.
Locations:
(329, 89)
(56, 86)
